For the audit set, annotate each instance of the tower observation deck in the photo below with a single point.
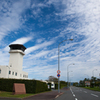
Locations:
(17, 47)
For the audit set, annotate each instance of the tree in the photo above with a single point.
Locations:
(52, 78)
(93, 81)
(81, 83)
(75, 84)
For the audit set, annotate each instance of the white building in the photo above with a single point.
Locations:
(14, 69)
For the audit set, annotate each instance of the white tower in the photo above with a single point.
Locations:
(16, 56)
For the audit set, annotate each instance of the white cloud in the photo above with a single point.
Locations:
(22, 40)
(11, 18)
(40, 40)
(4, 57)
(39, 55)
(39, 46)
(85, 17)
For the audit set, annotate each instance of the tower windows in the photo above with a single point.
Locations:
(15, 73)
(9, 72)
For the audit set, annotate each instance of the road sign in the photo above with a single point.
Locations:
(58, 71)
(58, 75)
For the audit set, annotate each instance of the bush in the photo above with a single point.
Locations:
(32, 86)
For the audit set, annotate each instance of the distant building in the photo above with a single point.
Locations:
(52, 84)
(87, 83)
(14, 69)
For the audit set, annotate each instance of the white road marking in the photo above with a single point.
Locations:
(76, 99)
(74, 95)
(72, 92)
(85, 91)
(94, 95)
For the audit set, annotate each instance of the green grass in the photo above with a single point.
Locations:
(62, 86)
(94, 89)
(9, 94)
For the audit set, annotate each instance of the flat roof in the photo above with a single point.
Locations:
(17, 47)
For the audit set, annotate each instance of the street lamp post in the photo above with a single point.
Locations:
(93, 75)
(68, 74)
(68, 78)
(59, 62)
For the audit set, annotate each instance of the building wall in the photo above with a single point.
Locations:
(3, 72)
(9, 72)
(16, 59)
(14, 69)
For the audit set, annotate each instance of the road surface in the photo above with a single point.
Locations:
(77, 93)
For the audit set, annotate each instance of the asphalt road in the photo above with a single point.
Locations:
(76, 93)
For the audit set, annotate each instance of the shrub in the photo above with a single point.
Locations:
(32, 86)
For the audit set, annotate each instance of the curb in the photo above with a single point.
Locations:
(59, 95)
(10, 98)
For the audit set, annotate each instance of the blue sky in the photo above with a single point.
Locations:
(40, 25)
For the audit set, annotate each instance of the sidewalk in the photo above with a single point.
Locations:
(47, 95)
(41, 96)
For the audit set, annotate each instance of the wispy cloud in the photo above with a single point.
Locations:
(22, 40)
(39, 46)
(11, 18)
(57, 20)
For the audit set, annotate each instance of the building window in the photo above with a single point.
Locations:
(12, 73)
(9, 72)
(16, 74)
(0, 71)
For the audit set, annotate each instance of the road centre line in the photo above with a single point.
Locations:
(72, 92)
(85, 91)
(73, 95)
(94, 95)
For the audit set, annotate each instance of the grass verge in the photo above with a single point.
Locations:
(9, 94)
(94, 89)
(62, 86)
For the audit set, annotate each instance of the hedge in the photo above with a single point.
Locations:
(32, 86)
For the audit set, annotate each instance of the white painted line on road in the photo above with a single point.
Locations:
(85, 91)
(72, 92)
(74, 95)
(57, 96)
(76, 99)
(94, 95)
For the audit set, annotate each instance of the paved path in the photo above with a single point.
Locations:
(47, 95)
(41, 96)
